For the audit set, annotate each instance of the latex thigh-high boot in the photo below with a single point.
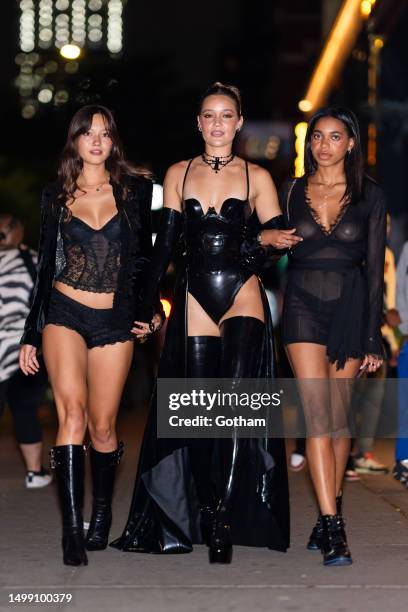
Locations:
(241, 341)
(203, 362)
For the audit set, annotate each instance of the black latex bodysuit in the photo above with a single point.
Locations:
(92, 257)
(215, 263)
(175, 475)
(334, 294)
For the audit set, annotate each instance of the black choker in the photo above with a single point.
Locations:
(217, 163)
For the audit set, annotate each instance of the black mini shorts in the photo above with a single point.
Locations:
(93, 324)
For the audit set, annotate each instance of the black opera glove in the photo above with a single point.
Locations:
(255, 256)
(167, 237)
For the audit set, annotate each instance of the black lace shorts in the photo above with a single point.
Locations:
(93, 324)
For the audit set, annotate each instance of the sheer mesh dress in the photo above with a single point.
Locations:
(334, 294)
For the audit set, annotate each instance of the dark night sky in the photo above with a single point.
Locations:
(173, 51)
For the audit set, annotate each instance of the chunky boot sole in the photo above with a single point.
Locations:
(92, 546)
(338, 561)
(313, 546)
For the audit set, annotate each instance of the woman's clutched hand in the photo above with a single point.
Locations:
(371, 363)
(142, 329)
(28, 359)
(279, 239)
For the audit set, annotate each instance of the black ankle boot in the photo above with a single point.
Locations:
(69, 464)
(316, 537)
(103, 466)
(334, 548)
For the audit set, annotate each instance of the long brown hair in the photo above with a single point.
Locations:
(70, 165)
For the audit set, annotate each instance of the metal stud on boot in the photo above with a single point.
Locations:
(316, 537)
(335, 549)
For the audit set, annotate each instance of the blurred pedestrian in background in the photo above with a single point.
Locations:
(23, 396)
(398, 318)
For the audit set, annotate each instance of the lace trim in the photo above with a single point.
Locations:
(340, 214)
(86, 287)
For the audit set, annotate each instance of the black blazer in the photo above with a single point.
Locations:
(133, 200)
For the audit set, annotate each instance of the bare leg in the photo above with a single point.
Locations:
(65, 355)
(309, 361)
(108, 367)
(340, 404)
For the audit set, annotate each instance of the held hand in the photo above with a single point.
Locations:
(392, 317)
(371, 363)
(142, 329)
(28, 359)
(280, 239)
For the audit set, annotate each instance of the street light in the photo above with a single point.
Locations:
(70, 52)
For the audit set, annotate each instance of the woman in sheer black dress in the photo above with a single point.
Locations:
(217, 491)
(333, 303)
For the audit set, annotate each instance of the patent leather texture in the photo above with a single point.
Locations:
(69, 464)
(334, 547)
(316, 537)
(216, 269)
(204, 362)
(103, 468)
(239, 360)
(170, 486)
(168, 235)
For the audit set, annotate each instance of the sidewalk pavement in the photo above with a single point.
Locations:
(376, 510)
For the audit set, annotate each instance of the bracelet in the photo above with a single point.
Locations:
(259, 238)
(152, 327)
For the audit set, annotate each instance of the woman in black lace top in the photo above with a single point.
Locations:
(333, 303)
(94, 247)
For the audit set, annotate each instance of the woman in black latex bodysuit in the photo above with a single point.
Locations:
(220, 327)
(333, 303)
(95, 244)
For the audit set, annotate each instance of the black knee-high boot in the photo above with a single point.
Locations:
(241, 341)
(103, 467)
(69, 464)
(203, 362)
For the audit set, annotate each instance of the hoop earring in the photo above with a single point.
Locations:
(199, 128)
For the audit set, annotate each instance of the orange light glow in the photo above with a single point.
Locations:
(166, 307)
(338, 47)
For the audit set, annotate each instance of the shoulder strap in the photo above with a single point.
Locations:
(185, 176)
(291, 186)
(247, 178)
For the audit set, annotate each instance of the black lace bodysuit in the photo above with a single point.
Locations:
(214, 240)
(334, 294)
(92, 257)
